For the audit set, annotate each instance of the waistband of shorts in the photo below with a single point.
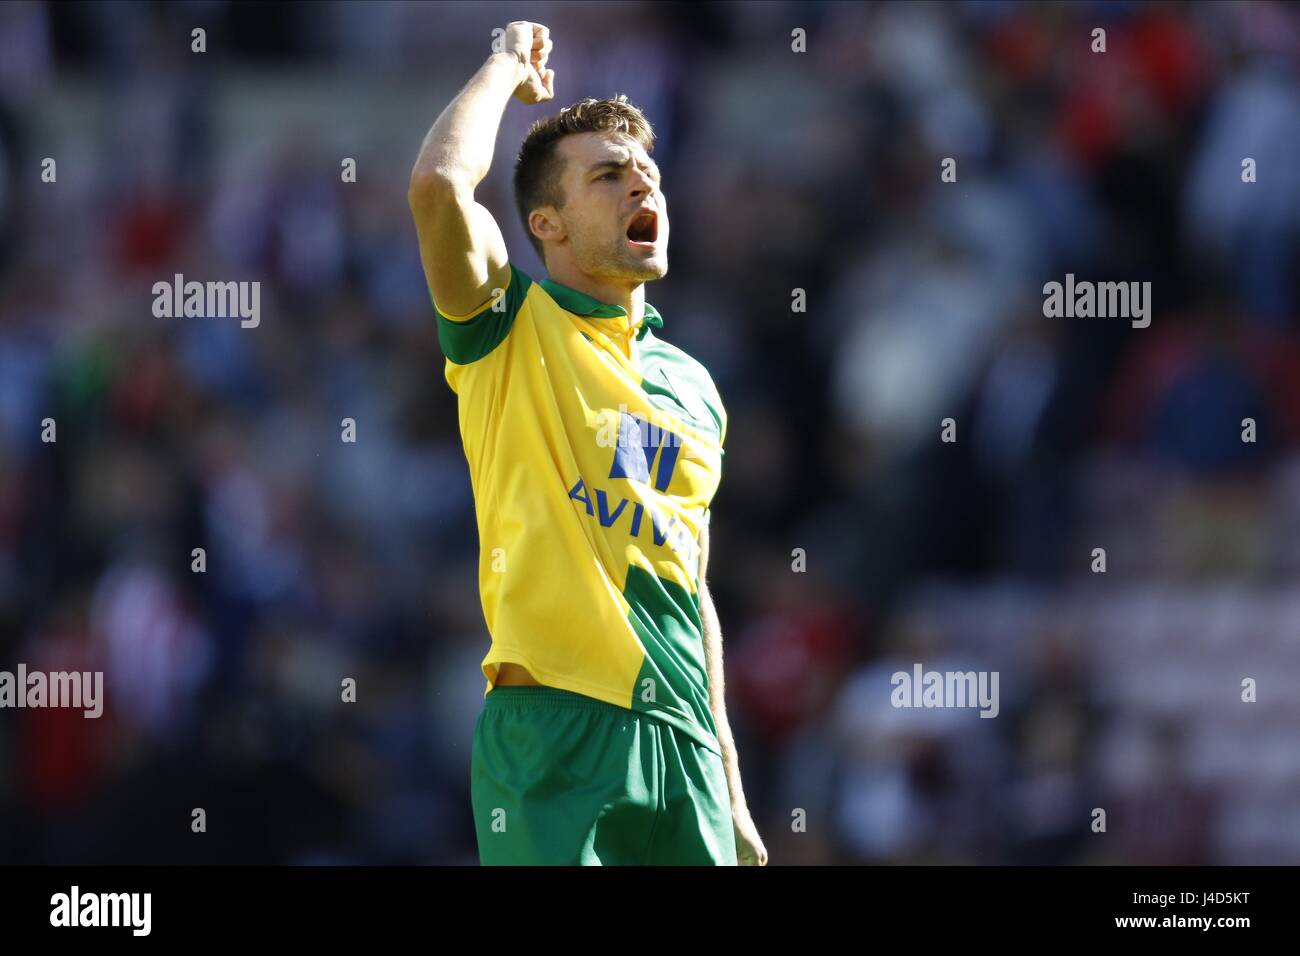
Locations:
(524, 695)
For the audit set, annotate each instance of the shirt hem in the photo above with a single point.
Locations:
(672, 717)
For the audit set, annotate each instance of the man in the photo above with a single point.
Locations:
(594, 450)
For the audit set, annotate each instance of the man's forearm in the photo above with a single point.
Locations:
(717, 698)
(458, 148)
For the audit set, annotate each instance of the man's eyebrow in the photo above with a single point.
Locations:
(620, 164)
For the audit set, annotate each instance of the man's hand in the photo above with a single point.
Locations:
(461, 247)
(530, 43)
(749, 845)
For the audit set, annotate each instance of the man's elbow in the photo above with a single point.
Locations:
(432, 188)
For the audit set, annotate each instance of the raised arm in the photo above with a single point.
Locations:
(461, 246)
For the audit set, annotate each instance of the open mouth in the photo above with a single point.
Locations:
(643, 230)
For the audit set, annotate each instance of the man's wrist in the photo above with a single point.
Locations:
(510, 65)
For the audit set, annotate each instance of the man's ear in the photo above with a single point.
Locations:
(546, 224)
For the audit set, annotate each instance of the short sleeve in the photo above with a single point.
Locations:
(468, 338)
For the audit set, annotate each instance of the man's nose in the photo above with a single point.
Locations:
(642, 185)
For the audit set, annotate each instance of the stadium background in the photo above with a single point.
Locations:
(816, 170)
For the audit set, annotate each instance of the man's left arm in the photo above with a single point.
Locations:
(749, 846)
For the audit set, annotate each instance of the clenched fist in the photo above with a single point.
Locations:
(530, 43)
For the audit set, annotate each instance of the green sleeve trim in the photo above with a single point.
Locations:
(468, 338)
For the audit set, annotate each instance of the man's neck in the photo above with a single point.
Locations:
(612, 292)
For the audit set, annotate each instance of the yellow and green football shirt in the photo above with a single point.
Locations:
(594, 451)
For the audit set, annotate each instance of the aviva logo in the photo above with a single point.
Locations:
(639, 444)
(643, 452)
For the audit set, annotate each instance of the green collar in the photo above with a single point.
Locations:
(579, 303)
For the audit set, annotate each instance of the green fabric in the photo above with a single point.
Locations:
(560, 779)
(469, 341)
(678, 384)
(666, 618)
(579, 303)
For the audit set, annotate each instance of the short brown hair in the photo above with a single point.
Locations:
(537, 170)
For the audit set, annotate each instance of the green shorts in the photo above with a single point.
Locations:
(561, 779)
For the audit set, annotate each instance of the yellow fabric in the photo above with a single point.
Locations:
(540, 418)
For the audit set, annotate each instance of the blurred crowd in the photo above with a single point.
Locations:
(849, 541)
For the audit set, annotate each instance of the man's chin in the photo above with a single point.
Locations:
(647, 270)
(624, 264)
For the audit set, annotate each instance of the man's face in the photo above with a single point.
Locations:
(615, 217)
